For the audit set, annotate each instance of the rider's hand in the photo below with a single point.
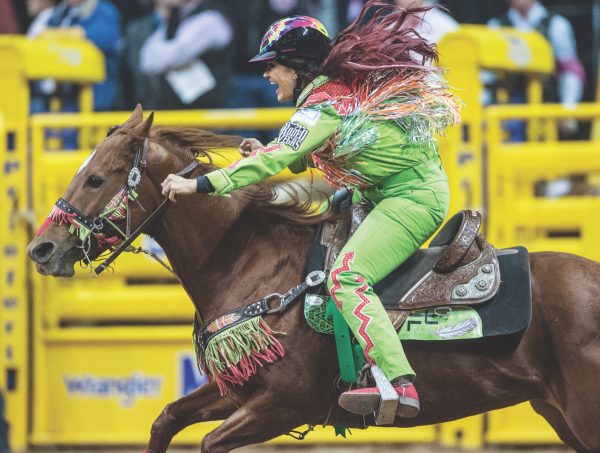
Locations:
(248, 145)
(175, 185)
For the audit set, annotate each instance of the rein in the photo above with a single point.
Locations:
(118, 208)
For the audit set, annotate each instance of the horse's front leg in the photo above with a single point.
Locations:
(259, 419)
(202, 405)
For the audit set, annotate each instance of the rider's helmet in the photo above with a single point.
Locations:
(294, 39)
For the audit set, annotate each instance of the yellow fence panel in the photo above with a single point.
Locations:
(518, 425)
(14, 311)
(117, 380)
(464, 433)
(518, 212)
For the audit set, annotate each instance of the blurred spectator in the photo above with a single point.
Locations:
(434, 24)
(181, 50)
(532, 15)
(131, 10)
(251, 18)
(352, 10)
(100, 22)
(8, 18)
(40, 12)
(332, 13)
(137, 86)
(529, 15)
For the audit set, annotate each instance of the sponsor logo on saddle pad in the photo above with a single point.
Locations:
(125, 389)
(442, 323)
(292, 134)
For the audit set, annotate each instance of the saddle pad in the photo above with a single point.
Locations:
(509, 312)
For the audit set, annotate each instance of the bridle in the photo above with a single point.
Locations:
(117, 209)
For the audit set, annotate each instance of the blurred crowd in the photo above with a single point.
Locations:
(190, 54)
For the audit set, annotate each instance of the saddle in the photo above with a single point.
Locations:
(439, 293)
(458, 268)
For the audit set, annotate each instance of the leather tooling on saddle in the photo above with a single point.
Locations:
(459, 268)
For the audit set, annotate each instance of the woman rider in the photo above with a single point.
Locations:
(368, 106)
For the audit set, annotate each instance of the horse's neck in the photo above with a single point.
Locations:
(225, 258)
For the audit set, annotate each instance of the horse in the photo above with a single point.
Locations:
(229, 251)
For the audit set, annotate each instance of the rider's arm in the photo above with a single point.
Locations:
(306, 131)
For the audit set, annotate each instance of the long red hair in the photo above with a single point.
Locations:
(386, 41)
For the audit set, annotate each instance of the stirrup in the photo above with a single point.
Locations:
(385, 413)
(388, 404)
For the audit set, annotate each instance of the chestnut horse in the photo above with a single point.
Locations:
(229, 252)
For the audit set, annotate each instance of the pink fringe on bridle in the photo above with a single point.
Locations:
(59, 217)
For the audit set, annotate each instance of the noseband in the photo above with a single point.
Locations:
(117, 209)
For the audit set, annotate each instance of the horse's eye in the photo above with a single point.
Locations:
(94, 181)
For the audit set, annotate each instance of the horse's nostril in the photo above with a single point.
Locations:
(42, 252)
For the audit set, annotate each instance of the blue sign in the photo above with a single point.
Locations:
(190, 377)
(125, 389)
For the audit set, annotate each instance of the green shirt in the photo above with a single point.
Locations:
(385, 149)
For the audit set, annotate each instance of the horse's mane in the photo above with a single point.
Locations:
(193, 143)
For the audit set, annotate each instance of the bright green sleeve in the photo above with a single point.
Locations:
(305, 132)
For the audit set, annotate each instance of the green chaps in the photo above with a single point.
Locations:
(409, 208)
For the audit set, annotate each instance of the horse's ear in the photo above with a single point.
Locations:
(136, 117)
(143, 130)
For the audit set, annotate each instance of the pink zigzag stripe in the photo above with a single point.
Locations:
(365, 320)
(346, 260)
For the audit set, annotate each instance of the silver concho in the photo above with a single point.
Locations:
(478, 286)
(315, 278)
(460, 291)
(134, 178)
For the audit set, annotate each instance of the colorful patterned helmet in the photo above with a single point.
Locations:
(296, 36)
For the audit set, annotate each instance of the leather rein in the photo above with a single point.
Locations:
(117, 209)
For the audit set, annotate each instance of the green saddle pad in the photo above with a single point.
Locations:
(507, 313)
(441, 324)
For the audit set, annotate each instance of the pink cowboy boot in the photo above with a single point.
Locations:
(365, 401)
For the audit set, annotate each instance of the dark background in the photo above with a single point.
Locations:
(584, 15)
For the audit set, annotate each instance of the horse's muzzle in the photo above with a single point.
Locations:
(42, 253)
(52, 257)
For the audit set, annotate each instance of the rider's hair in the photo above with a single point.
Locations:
(385, 41)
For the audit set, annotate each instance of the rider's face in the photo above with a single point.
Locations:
(284, 77)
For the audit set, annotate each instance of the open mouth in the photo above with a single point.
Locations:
(278, 88)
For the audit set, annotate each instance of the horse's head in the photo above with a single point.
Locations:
(92, 215)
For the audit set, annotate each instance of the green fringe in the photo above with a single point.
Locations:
(233, 355)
